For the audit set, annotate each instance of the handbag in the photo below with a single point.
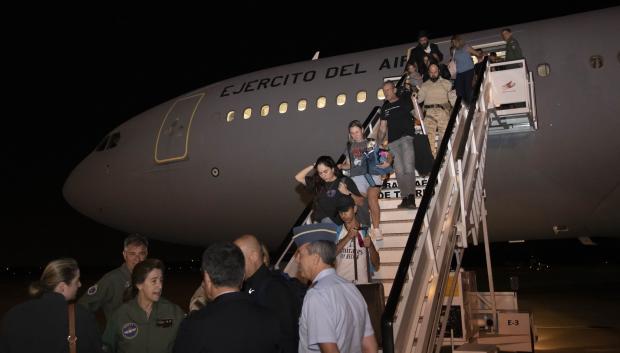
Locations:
(374, 158)
(452, 69)
(72, 338)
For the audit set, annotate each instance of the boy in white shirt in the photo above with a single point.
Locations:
(355, 249)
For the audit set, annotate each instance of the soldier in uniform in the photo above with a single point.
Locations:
(147, 322)
(334, 316)
(434, 94)
(513, 50)
(107, 293)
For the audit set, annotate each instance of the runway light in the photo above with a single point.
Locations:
(559, 229)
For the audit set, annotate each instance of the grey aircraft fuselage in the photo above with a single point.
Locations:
(159, 178)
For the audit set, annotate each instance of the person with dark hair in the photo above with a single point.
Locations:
(425, 48)
(42, 324)
(108, 292)
(513, 49)
(231, 321)
(146, 322)
(357, 255)
(199, 299)
(327, 184)
(334, 317)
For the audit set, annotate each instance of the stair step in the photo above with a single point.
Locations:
(393, 202)
(390, 203)
(390, 254)
(396, 226)
(397, 214)
(397, 240)
(386, 272)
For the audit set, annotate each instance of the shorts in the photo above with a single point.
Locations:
(362, 184)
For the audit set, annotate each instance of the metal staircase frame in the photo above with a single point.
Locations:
(451, 209)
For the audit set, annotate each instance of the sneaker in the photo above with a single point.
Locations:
(376, 232)
(411, 202)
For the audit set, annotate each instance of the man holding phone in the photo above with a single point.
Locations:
(357, 256)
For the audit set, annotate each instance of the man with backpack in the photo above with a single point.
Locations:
(272, 291)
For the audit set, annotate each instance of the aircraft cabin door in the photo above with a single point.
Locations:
(173, 137)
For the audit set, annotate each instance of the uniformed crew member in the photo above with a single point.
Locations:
(108, 292)
(434, 94)
(513, 49)
(334, 317)
(147, 322)
(270, 291)
(42, 324)
(231, 322)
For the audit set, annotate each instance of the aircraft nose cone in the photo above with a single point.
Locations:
(76, 188)
(87, 189)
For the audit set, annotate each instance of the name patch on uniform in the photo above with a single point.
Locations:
(130, 330)
(92, 290)
(164, 322)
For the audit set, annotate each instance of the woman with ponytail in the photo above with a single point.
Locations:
(42, 323)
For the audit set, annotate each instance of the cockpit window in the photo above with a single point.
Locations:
(101, 146)
(114, 138)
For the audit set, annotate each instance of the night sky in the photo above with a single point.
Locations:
(73, 78)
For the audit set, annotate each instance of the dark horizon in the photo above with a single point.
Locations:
(76, 79)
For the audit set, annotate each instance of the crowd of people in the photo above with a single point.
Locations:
(242, 305)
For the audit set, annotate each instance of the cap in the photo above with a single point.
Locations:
(422, 34)
(314, 232)
(344, 202)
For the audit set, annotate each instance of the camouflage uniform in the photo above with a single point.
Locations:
(108, 292)
(513, 50)
(436, 109)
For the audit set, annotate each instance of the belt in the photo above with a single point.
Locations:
(442, 106)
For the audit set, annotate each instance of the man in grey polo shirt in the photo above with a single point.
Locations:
(334, 317)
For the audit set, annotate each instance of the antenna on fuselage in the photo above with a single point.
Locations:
(316, 55)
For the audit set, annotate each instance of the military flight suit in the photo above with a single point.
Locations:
(513, 50)
(436, 109)
(130, 331)
(108, 292)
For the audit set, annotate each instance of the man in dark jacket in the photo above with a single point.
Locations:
(270, 291)
(231, 321)
(425, 48)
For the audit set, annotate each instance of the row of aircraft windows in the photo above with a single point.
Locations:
(302, 105)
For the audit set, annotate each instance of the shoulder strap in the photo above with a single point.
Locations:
(72, 338)
(355, 257)
(349, 144)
